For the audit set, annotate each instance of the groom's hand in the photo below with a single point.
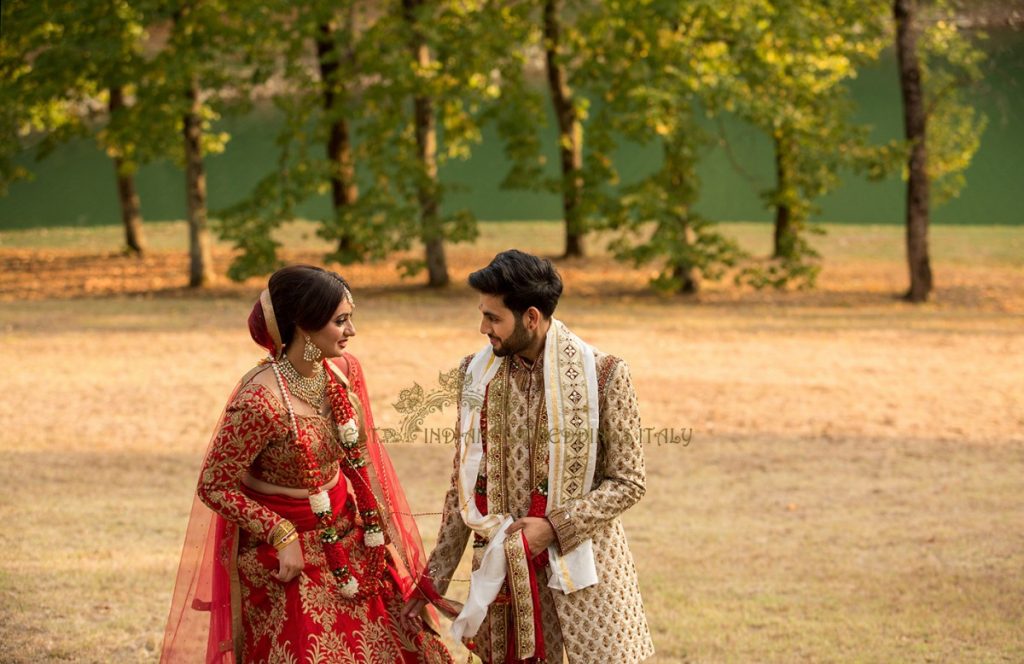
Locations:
(538, 531)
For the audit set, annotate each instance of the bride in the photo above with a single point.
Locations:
(310, 546)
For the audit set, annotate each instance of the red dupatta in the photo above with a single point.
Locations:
(200, 623)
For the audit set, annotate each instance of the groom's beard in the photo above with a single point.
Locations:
(518, 341)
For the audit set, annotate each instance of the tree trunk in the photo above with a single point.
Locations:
(200, 264)
(680, 168)
(344, 191)
(431, 232)
(783, 245)
(915, 125)
(687, 276)
(127, 196)
(570, 133)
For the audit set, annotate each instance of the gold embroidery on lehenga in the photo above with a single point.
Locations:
(318, 602)
(312, 552)
(282, 654)
(262, 618)
(329, 648)
(377, 644)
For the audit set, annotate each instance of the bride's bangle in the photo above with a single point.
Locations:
(283, 534)
(288, 539)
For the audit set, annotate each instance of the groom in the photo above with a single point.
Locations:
(548, 458)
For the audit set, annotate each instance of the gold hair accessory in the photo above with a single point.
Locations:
(271, 319)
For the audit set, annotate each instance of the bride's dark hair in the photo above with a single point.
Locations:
(306, 296)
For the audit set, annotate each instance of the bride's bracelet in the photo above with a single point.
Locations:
(286, 541)
(283, 534)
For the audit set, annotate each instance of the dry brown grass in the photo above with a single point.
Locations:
(853, 490)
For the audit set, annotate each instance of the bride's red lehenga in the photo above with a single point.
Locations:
(226, 605)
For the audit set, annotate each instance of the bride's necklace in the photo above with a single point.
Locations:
(311, 390)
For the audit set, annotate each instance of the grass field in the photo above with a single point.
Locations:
(853, 489)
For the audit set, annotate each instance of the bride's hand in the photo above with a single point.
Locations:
(290, 562)
(414, 607)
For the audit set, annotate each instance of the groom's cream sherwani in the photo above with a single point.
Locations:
(601, 623)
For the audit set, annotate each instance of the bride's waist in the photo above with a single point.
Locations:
(254, 483)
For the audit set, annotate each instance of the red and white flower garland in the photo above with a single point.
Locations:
(354, 468)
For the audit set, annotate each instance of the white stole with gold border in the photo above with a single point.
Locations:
(571, 401)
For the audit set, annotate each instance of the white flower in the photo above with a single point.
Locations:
(320, 502)
(349, 588)
(373, 538)
(350, 432)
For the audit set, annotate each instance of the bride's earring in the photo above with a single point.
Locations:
(310, 352)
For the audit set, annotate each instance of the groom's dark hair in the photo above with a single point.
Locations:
(522, 280)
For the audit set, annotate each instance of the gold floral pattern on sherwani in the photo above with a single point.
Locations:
(602, 623)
